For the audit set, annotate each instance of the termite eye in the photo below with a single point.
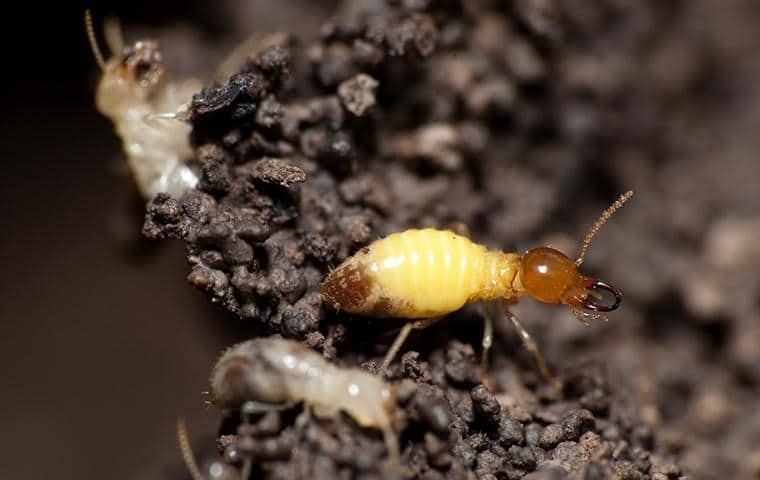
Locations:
(548, 275)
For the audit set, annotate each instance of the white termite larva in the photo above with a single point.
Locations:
(146, 112)
(278, 371)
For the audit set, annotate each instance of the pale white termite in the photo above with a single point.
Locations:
(278, 371)
(146, 112)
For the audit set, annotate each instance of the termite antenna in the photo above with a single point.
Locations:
(93, 40)
(187, 451)
(113, 35)
(599, 223)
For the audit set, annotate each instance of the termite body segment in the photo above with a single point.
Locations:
(278, 371)
(421, 274)
(144, 109)
(427, 274)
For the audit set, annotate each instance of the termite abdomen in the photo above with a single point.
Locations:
(350, 287)
(419, 274)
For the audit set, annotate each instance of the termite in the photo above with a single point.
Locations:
(424, 275)
(146, 112)
(275, 371)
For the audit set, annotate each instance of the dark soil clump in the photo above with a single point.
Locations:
(517, 122)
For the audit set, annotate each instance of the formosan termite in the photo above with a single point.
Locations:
(276, 371)
(427, 274)
(146, 112)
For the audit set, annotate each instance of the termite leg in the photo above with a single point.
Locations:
(532, 347)
(246, 410)
(487, 342)
(401, 337)
(245, 472)
(397, 343)
(155, 118)
(252, 407)
(391, 444)
(303, 419)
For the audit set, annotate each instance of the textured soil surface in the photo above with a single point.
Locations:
(520, 123)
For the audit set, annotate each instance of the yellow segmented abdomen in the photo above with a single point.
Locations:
(428, 272)
(419, 274)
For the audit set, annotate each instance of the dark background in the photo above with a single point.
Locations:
(102, 342)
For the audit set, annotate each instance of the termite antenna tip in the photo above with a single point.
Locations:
(599, 223)
(93, 40)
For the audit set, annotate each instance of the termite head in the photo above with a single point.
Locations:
(245, 372)
(129, 77)
(139, 63)
(130, 74)
(550, 276)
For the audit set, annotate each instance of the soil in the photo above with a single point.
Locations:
(519, 123)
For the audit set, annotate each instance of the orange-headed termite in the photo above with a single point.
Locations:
(145, 112)
(426, 274)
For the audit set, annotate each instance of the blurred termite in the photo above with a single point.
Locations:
(427, 274)
(274, 371)
(146, 111)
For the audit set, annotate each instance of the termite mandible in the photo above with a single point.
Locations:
(424, 275)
